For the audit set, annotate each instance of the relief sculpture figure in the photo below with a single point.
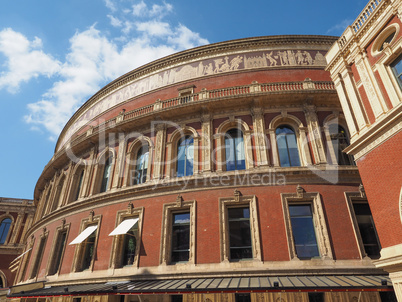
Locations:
(299, 58)
(272, 61)
(309, 59)
(283, 57)
(235, 63)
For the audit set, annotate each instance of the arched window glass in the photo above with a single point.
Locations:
(287, 146)
(4, 228)
(340, 141)
(106, 175)
(79, 186)
(396, 67)
(142, 165)
(1, 282)
(185, 156)
(234, 148)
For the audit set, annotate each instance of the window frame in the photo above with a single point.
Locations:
(172, 148)
(184, 138)
(219, 152)
(239, 201)
(321, 231)
(118, 240)
(169, 209)
(80, 248)
(286, 135)
(38, 256)
(7, 237)
(131, 159)
(358, 197)
(232, 142)
(64, 228)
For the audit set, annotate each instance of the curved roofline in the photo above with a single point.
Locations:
(193, 53)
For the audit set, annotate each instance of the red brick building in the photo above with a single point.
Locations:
(214, 174)
(366, 67)
(16, 216)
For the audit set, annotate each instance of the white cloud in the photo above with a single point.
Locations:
(24, 60)
(154, 28)
(95, 58)
(339, 28)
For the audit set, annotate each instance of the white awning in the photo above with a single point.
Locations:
(22, 254)
(124, 226)
(84, 234)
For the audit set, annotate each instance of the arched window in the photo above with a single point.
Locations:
(1, 282)
(234, 150)
(340, 141)
(185, 156)
(287, 146)
(4, 228)
(141, 167)
(79, 185)
(106, 175)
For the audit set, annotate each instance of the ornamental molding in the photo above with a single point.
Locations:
(198, 63)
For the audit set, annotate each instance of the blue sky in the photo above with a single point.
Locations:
(55, 54)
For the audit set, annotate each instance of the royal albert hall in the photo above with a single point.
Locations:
(213, 174)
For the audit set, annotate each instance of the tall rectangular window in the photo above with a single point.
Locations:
(58, 253)
(180, 237)
(305, 241)
(89, 251)
(239, 233)
(396, 67)
(367, 229)
(39, 255)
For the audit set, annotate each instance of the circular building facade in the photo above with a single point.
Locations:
(214, 173)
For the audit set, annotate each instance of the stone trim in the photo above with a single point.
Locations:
(350, 198)
(37, 258)
(314, 199)
(12, 226)
(62, 228)
(80, 248)
(118, 241)
(166, 242)
(235, 201)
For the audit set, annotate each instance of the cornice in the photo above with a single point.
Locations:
(248, 44)
(268, 177)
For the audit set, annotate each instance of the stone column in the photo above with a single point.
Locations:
(274, 148)
(159, 151)
(17, 227)
(206, 143)
(315, 134)
(304, 148)
(260, 138)
(27, 225)
(370, 86)
(119, 162)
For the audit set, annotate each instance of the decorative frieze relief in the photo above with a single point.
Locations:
(224, 64)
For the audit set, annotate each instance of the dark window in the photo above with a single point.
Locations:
(181, 237)
(234, 147)
(388, 297)
(130, 245)
(239, 233)
(1, 282)
(287, 147)
(141, 165)
(4, 228)
(303, 231)
(38, 258)
(106, 175)
(89, 251)
(79, 186)
(58, 252)
(242, 298)
(340, 141)
(316, 297)
(387, 40)
(176, 298)
(367, 229)
(396, 67)
(185, 156)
